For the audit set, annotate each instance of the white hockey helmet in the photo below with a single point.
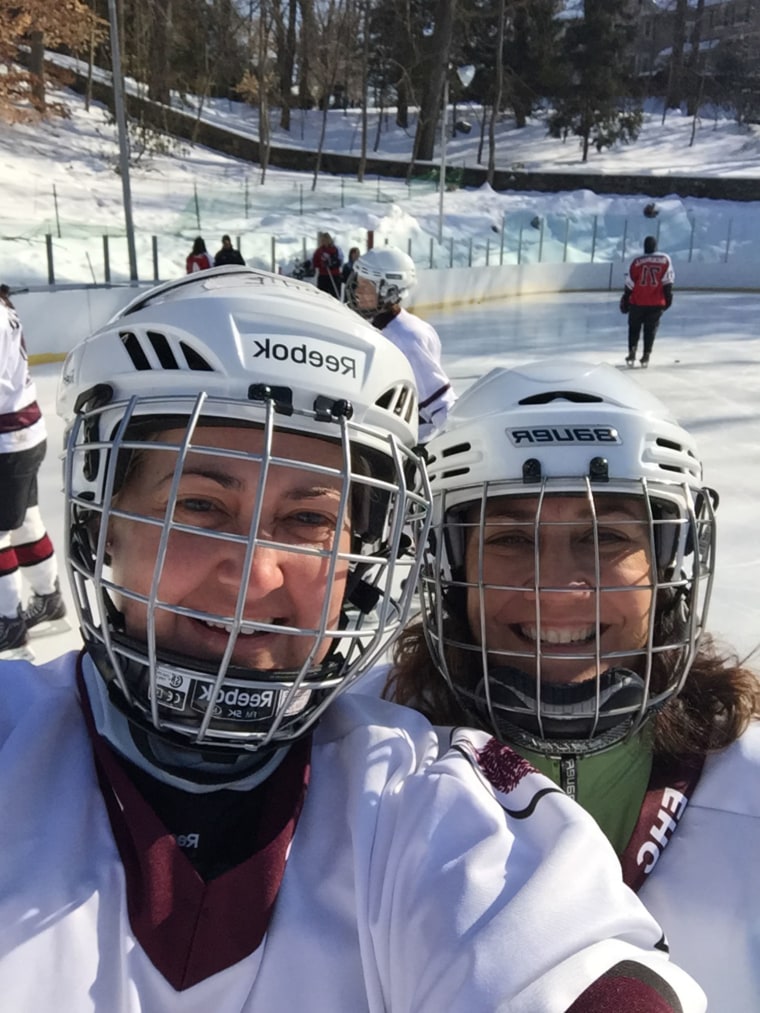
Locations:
(239, 347)
(571, 429)
(391, 271)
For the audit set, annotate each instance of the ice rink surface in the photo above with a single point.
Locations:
(705, 366)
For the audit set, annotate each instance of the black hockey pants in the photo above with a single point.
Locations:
(649, 317)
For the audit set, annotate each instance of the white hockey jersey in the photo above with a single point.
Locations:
(702, 863)
(421, 345)
(705, 888)
(412, 885)
(21, 424)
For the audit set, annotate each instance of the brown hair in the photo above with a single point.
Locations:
(719, 698)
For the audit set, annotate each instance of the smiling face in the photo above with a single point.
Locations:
(365, 295)
(202, 572)
(551, 591)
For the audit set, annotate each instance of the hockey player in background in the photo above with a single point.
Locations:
(383, 279)
(25, 546)
(195, 817)
(648, 293)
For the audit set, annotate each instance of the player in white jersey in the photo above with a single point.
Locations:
(564, 598)
(25, 546)
(192, 820)
(382, 280)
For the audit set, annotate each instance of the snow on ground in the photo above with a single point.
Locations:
(62, 176)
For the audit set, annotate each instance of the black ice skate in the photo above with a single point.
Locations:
(13, 637)
(644, 361)
(45, 613)
(630, 361)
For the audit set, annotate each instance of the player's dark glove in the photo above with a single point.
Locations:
(668, 293)
(625, 302)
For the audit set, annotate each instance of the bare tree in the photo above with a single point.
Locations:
(674, 95)
(160, 45)
(338, 26)
(694, 64)
(284, 20)
(497, 93)
(438, 66)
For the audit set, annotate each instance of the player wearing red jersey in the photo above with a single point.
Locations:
(648, 293)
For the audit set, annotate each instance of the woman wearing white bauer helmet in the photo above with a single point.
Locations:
(239, 479)
(565, 589)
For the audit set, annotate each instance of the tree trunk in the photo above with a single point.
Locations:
(364, 85)
(308, 40)
(286, 57)
(498, 86)
(37, 69)
(694, 63)
(160, 50)
(674, 95)
(402, 103)
(263, 52)
(440, 46)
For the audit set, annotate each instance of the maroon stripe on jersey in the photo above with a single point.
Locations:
(628, 986)
(191, 929)
(11, 422)
(670, 787)
(31, 553)
(8, 561)
(502, 766)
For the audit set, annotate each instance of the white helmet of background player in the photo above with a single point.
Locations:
(537, 432)
(393, 274)
(242, 348)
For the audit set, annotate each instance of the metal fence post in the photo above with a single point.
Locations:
(593, 237)
(154, 246)
(106, 261)
(567, 239)
(49, 250)
(57, 219)
(197, 206)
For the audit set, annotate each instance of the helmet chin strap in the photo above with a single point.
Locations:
(570, 712)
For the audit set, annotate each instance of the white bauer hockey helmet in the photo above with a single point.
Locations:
(239, 347)
(579, 430)
(391, 271)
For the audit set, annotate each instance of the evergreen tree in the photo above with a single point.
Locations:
(595, 103)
